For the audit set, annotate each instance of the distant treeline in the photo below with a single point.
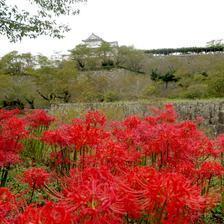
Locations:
(186, 50)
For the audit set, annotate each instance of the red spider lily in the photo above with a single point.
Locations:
(36, 177)
(151, 169)
(79, 134)
(82, 136)
(7, 206)
(6, 114)
(172, 198)
(220, 142)
(186, 168)
(51, 213)
(210, 169)
(39, 118)
(12, 130)
(59, 137)
(88, 132)
(9, 152)
(168, 114)
(115, 156)
(95, 195)
(95, 118)
(132, 122)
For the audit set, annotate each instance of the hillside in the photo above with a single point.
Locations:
(38, 82)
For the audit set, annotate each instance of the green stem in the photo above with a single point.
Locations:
(31, 197)
(4, 176)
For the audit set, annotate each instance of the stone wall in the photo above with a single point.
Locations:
(211, 110)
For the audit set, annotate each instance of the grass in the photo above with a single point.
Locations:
(121, 108)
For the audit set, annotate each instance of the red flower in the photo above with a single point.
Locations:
(36, 177)
(220, 142)
(6, 205)
(39, 118)
(209, 169)
(12, 131)
(6, 114)
(140, 170)
(94, 118)
(51, 213)
(60, 137)
(171, 198)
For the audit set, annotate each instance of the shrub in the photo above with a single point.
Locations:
(111, 96)
(196, 91)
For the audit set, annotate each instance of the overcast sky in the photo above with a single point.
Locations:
(146, 24)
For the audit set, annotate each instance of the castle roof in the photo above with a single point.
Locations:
(93, 37)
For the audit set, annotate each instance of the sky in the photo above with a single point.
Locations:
(144, 24)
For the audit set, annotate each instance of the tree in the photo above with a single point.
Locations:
(215, 43)
(56, 83)
(17, 22)
(81, 53)
(17, 91)
(106, 54)
(155, 75)
(169, 76)
(130, 58)
(17, 64)
(216, 84)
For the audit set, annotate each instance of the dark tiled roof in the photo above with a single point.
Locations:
(93, 37)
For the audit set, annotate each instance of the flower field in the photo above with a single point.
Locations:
(142, 170)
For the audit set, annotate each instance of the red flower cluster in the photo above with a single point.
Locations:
(12, 131)
(7, 205)
(36, 177)
(51, 213)
(140, 170)
(39, 118)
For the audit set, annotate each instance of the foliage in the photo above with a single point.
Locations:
(32, 80)
(186, 50)
(216, 86)
(17, 22)
(17, 64)
(93, 75)
(130, 58)
(169, 76)
(155, 74)
(81, 54)
(94, 58)
(196, 91)
(111, 96)
(106, 53)
(139, 170)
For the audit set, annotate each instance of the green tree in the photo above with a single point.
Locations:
(18, 90)
(216, 85)
(81, 54)
(155, 75)
(106, 53)
(17, 64)
(55, 84)
(169, 76)
(18, 22)
(130, 58)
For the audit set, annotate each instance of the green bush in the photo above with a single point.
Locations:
(111, 96)
(216, 86)
(196, 91)
(150, 90)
